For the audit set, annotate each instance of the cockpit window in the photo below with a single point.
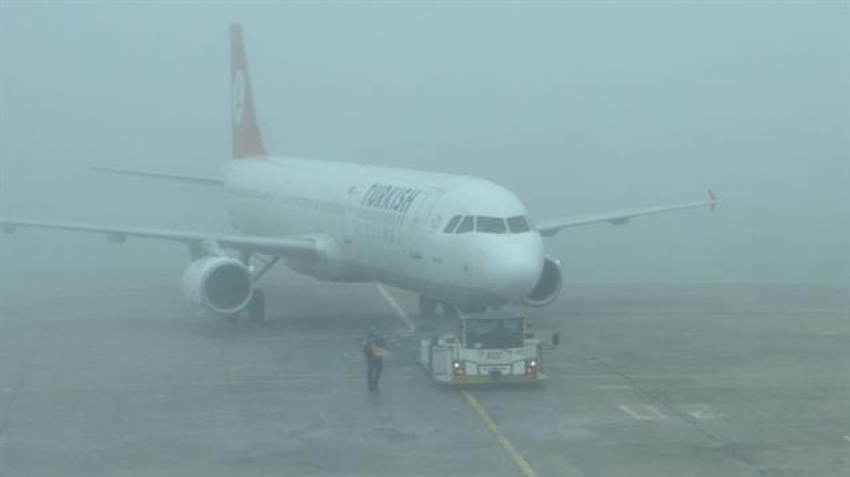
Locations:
(467, 225)
(491, 225)
(450, 227)
(518, 224)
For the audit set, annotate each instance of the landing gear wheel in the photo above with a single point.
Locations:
(474, 308)
(257, 306)
(427, 306)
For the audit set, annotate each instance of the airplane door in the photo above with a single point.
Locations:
(351, 227)
(423, 225)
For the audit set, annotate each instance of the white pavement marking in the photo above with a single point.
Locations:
(642, 412)
(410, 326)
(325, 419)
(700, 411)
(610, 386)
(846, 438)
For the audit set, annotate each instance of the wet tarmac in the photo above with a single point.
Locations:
(649, 380)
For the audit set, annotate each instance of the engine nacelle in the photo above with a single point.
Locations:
(219, 284)
(548, 286)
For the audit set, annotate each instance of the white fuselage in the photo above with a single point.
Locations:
(389, 225)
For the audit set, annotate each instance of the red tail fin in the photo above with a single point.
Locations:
(247, 140)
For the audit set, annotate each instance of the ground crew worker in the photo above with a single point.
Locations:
(373, 350)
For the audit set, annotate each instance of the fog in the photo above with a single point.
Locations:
(576, 107)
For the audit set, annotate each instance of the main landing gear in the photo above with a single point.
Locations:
(256, 308)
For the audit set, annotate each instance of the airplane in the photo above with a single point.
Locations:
(459, 242)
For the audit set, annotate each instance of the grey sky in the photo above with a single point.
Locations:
(577, 107)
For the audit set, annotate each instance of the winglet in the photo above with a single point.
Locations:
(247, 140)
(713, 199)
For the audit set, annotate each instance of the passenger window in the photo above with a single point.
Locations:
(450, 227)
(490, 225)
(518, 224)
(468, 225)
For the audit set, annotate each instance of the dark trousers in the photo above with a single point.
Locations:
(374, 368)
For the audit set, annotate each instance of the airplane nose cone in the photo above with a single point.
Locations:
(512, 271)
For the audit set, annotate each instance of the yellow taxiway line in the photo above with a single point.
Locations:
(510, 449)
(410, 326)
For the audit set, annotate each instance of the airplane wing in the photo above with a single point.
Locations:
(294, 247)
(184, 178)
(547, 228)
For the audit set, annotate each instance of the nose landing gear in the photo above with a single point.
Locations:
(428, 307)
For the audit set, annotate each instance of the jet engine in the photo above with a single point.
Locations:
(219, 284)
(548, 286)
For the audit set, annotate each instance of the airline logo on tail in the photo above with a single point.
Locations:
(247, 140)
